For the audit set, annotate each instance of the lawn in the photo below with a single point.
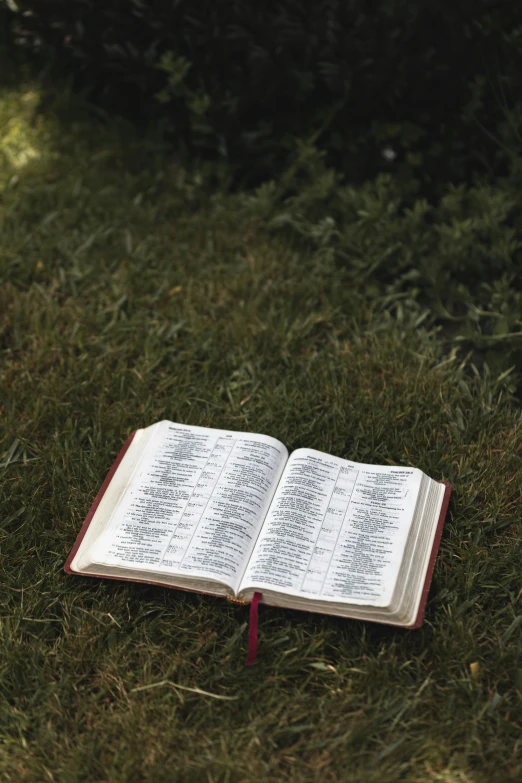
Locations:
(132, 291)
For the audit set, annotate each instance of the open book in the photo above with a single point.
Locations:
(230, 513)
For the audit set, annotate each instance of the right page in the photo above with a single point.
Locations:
(336, 531)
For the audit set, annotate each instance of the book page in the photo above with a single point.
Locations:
(336, 530)
(195, 503)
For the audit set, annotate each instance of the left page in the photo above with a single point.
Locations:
(194, 504)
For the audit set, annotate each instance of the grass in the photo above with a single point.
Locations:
(129, 295)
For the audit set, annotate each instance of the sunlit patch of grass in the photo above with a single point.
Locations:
(17, 136)
(21, 133)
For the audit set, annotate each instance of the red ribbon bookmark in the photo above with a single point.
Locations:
(252, 631)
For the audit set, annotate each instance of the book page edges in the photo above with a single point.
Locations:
(97, 500)
(433, 557)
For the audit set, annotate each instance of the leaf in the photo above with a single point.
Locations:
(508, 633)
(322, 667)
(475, 670)
(177, 686)
(10, 455)
(496, 701)
(128, 241)
(390, 748)
(4, 523)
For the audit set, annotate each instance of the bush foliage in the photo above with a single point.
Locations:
(455, 264)
(427, 87)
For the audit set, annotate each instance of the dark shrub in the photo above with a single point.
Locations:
(421, 87)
